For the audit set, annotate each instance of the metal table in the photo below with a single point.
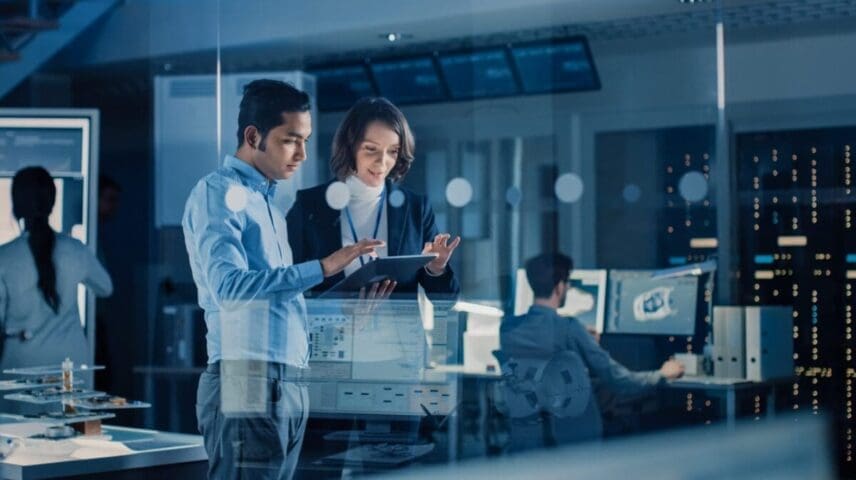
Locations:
(151, 452)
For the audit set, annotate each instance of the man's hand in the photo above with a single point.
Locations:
(443, 248)
(672, 369)
(338, 260)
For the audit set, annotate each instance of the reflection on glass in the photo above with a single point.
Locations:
(338, 195)
(396, 199)
(569, 188)
(459, 192)
(513, 196)
(236, 198)
(631, 193)
(693, 186)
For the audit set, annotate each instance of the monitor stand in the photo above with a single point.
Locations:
(376, 431)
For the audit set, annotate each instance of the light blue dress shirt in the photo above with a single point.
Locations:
(252, 295)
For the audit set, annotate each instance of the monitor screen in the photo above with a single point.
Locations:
(484, 73)
(585, 300)
(644, 305)
(59, 145)
(372, 364)
(555, 67)
(339, 87)
(413, 80)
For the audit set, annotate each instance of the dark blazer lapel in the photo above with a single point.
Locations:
(328, 233)
(396, 224)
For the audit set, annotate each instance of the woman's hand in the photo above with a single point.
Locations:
(369, 301)
(443, 248)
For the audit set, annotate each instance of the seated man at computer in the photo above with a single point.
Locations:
(548, 361)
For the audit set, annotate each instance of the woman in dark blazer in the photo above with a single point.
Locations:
(372, 151)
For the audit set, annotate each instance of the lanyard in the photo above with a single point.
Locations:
(376, 225)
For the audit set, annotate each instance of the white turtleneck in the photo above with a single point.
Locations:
(363, 206)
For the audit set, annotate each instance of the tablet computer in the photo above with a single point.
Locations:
(378, 270)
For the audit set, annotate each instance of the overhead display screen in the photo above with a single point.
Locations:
(478, 74)
(414, 80)
(555, 67)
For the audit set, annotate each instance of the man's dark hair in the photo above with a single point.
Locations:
(352, 130)
(264, 103)
(545, 271)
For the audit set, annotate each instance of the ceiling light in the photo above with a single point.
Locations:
(393, 37)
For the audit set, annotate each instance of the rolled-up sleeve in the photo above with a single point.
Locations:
(614, 376)
(95, 277)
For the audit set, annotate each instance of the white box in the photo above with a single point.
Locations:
(769, 343)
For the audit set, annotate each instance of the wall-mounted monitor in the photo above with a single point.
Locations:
(340, 86)
(478, 74)
(411, 80)
(555, 66)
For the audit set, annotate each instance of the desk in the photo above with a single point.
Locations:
(728, 388)
(129, 453)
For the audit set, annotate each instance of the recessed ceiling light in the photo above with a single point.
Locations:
(690, 2)
(393, 37)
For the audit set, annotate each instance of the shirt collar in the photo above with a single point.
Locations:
(252, 177)
(535, 308)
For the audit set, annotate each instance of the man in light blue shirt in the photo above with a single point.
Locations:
(250, 406)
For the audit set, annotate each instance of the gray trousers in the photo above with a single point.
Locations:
(261, 440)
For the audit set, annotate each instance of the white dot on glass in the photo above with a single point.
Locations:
(632, 193)
(693, 186)
(459, 192)
(513, 196)
(569, 187)
(236, 198)
(396, 198)
(337, 195)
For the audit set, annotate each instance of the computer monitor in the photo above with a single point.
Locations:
(585, 300)
(640, 304)
(375, 364)
(478, 74)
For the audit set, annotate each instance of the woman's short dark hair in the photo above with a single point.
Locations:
(263, 104)
(352, 130)
(33, 197)
(545, 271)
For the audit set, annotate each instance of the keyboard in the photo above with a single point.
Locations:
(380, 454)
(361, 436)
